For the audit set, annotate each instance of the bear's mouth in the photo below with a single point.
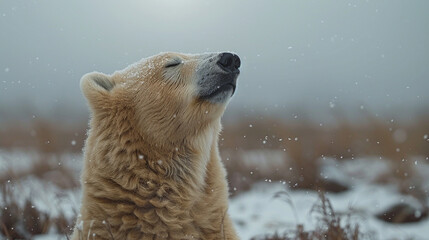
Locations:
(221, 89)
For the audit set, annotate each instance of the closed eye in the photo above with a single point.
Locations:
(173, 63)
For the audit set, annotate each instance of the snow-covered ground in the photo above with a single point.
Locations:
(256, 212)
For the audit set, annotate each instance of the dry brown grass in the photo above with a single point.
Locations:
(45, 170)
(43, 135)
(330, 226)
(24, 222)
(305, 143)
(342, 139)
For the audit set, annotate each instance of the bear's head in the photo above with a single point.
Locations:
(166, 97)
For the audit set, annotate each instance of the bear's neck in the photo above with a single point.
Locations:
(183, 162)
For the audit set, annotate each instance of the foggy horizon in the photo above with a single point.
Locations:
(313, 57)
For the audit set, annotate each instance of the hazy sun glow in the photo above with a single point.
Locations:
(168, 9)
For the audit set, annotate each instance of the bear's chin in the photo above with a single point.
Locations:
(220, 95)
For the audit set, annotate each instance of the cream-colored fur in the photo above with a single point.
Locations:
(152, 167)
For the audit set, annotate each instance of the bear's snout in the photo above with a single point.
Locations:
(217, 77)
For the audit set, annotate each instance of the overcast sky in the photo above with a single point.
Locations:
(313, 54)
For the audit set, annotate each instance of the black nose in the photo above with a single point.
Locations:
(229, 62)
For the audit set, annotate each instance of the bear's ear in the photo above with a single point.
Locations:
(96, 87)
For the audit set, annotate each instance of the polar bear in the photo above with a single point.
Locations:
(152, 168)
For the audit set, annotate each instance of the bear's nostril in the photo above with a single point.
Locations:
(225, 60)
(229, 62)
